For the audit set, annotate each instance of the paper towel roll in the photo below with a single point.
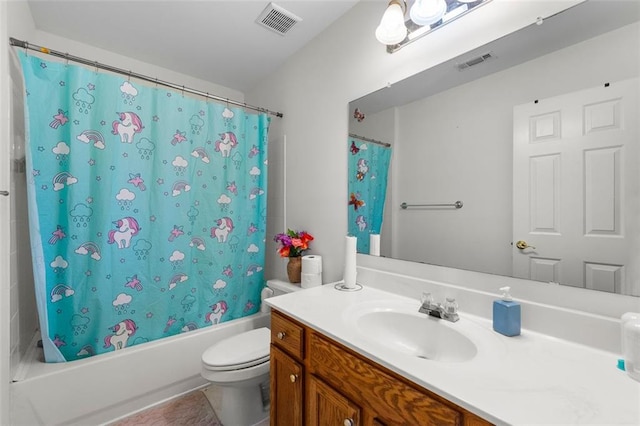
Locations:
(311, 271)
(350, 262)
(374, 244)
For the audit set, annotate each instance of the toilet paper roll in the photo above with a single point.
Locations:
(311, 271)
(350, 262)
(374, 244)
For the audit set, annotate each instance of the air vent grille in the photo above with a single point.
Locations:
(475, 61)
(277, 19)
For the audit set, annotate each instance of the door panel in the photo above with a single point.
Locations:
(328, 407)
(576, 188)
(286, 389)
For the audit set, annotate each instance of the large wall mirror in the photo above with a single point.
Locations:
(536, 134)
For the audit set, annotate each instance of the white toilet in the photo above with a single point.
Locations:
(240, 366)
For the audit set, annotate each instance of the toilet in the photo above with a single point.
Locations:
(239, 365)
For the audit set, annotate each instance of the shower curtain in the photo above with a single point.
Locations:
(147, 209)
(368, 172)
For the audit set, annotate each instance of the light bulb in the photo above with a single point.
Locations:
(427, 12)
(392, 29)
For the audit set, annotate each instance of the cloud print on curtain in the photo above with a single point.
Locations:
(368, 172)
(147, 209)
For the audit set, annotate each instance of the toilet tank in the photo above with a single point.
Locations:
(276, 288)
(282, 287)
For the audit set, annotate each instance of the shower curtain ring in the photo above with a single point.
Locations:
(183, 90)
(26, 48)
(66, 57)
(129, 77)
(95, 64)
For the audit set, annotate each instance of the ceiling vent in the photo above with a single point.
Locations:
(277, 19)
(475, 61)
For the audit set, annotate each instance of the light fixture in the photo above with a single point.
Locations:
(427, 12)
(424, 16)
(392, 29)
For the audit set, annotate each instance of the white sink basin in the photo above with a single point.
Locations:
(413, 333)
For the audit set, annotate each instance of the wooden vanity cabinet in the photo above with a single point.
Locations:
(316, 381)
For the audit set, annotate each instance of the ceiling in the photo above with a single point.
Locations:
(214, 40)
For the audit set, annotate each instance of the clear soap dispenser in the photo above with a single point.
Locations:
(506, 314)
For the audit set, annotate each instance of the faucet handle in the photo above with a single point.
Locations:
(451, 306)
(426, 299)
(426, 303)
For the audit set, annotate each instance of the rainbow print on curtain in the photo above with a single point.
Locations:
(368, 173)
(147, 209)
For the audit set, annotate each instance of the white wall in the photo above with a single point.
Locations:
(343, 63)
(458, 146)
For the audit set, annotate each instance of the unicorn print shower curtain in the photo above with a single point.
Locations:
(368, 170)
(147, 209)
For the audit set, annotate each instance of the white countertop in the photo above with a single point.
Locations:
(528, 379)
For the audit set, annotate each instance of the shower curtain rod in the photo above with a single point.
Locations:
(129, 73)
(386, 145)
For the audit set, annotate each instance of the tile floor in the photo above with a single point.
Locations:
(190, 409)
(196, 408)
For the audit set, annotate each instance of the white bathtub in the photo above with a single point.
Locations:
(105, 387)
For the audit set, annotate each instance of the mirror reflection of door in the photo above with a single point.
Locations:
(576, 183)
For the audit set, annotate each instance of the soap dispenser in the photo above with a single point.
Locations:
(506, 314)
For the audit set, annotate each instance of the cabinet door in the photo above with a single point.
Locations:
(328, 407)
(287, 389)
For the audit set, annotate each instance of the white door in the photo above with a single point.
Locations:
(576, 182)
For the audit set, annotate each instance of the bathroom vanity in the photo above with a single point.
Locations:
(316, 380)
(370, 358)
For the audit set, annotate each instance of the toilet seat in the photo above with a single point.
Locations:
(241, 351)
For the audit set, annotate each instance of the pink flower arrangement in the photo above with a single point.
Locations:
(292, 243)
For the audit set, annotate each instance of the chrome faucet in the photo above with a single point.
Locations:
(448, 311)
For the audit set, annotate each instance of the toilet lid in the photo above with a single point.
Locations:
(240, 351)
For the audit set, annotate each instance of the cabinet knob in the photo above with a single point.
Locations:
(281, 335)
(348, 422)
(293, 378)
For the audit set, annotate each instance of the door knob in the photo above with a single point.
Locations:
(523, 245)
(281, 335)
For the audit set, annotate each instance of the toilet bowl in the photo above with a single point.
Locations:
(239, 365)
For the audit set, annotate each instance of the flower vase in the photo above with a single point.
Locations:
(294, 269)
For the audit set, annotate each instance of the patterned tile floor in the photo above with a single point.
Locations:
(196, 408)
(192, 409)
